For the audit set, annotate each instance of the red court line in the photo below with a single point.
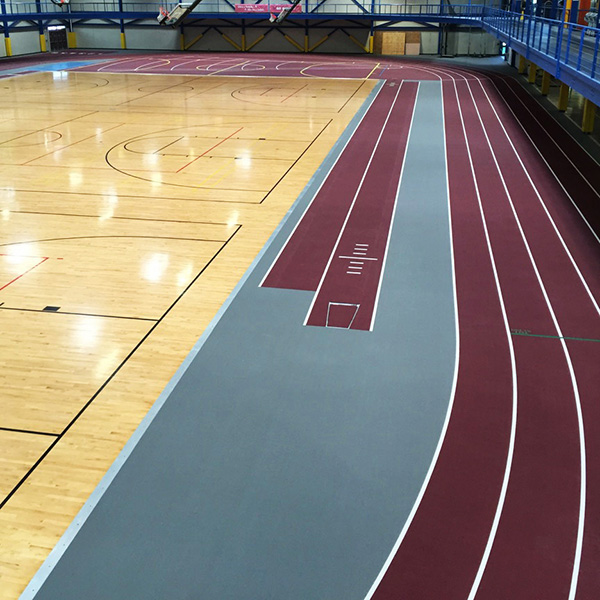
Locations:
(355, 266)
(25, 273)
(304, 258)
(207, 151)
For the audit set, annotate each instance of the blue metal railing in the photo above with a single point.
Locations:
(568, 45)
(431, 8)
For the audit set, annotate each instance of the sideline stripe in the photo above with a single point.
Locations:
(55, 555)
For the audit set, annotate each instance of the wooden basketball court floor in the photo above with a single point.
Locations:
(130, 207)
(133, 203)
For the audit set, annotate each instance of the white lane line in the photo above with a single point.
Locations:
(361, 258)
(440, 443)
(597, 192)
(391, 226)
(594, 190)
(582, 490)
(543, 204)
(364, 175)
(325, 177)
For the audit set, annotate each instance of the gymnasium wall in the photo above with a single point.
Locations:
(24, 42)
(335, 38)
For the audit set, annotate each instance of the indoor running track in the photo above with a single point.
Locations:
(424, 427)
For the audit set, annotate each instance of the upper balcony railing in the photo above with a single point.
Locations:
(420, 8)
(565, 44)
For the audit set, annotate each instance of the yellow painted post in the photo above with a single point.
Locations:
(8, 46)
(306, 42)
(522, 64)
(294, 42)
(315, 46)
(258, 39)
(589, 114)
(182, 41)
(532, 73)
(196, 39)
(545, 83)
(72, 39)
(123, 41)
(43, 42)
(371, 43)
(243, 42)
(228, 39)
(563, 97)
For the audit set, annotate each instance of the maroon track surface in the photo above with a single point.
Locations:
(339, 247)
(511, 509)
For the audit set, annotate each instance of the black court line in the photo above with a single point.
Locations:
(79, 215)
(352, 96)
(114, 373)
(28, 431)
(146, 198)
(92, 237)
(76, 314)
(32, 133)
(155, 92)
(296, 161)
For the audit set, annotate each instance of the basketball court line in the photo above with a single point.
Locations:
(329, 163)
(116, 371)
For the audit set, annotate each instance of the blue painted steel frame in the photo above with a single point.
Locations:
(568, 51)
(572, 58)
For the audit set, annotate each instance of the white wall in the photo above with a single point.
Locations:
(476, 43)
(142, 38)
(24, 42)
(98, 37)
(429, 42)
(2, 48)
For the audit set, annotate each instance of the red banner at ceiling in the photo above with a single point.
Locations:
(266, 8)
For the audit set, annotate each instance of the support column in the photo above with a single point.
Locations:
(305, 36)
(532, 73)
(563, 97)
(589, 114)
(545, 83)
(122, 24)
(38, 8)
(7, 44)
(522, 64)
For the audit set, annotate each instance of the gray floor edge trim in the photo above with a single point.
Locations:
(56, 553)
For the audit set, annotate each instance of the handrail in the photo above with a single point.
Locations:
(426, 8)
(568, 44)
